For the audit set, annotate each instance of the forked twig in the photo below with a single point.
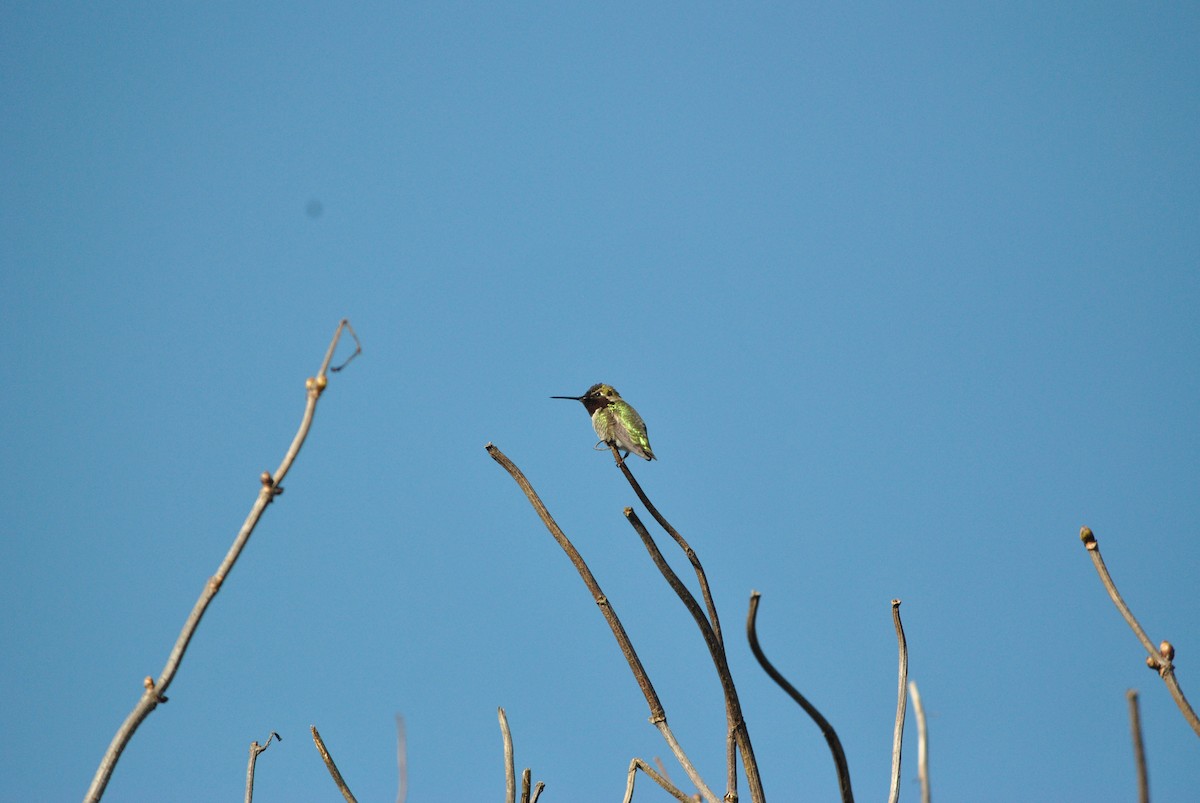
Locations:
(831, 737)
(1139, 749)
(255, 749)
(679, 539)
(716, 650)
(901, 703)
(922, 741)
(658, 716)
(660, 779)
(155, 690)
(1159, 659)
(329, 765)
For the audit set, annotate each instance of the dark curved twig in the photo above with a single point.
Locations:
(716, 650)
(831, 737)
(1159, 659)
(329, 765)
(1139, 749)
(255, 749)
(901, 703)
(658, 716)
(155, 691)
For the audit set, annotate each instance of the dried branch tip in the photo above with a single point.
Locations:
(1088, 539)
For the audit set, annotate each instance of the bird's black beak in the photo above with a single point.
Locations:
(572, 398)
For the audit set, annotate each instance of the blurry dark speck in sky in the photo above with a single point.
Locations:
(314, 209)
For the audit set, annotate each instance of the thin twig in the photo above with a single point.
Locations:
(510, 773)
(716, 650)
(357, 350)
(537, 791)
(1159, 659)
(401, 760)
(659, 778)
(658, 716)
(255, 749)
(713, 619)
(526, 780)
(901, 703)
(329, 765)
(831, 737)
(922, 741)
(1139, 749)
(731, 756)
(155, 691)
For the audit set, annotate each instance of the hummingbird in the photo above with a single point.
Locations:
(615, 421)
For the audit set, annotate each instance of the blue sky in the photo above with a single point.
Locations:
(906, 295)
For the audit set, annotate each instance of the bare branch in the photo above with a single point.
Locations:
(831, 737)
(255, 749)
(922, 741)
(1139, 749)
(526, 780)
(679, 539)
(401, 760)
(660, 779)
(510, 773)
(716, 650)
(537, 792)
(329, 765)
(658, 716)
(1159, 659)
(155, 691)
(901, 703)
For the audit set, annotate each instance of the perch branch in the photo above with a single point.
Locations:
(679, 539)
(1159, 659)
(255, 749)
(716, 651)
(658, 716)
(155, 690)
(831, 737)
(901, 703)
(329, 765)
